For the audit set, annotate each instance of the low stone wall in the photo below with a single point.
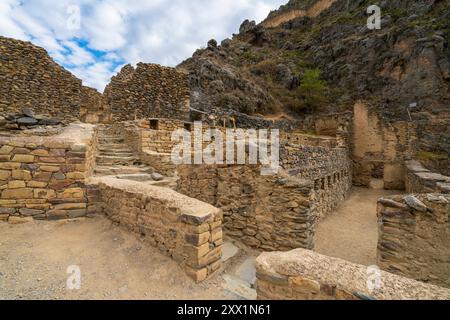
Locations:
(186, 229)
(421, 180)
(44, 177)
(264, 212)
(277, 212)
(306, 275)
(414, 237)
(330, 171)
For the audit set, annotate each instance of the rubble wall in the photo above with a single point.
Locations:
(149, 91)
(414, 237)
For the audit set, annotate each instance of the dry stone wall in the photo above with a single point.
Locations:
(185, 229)
(306, 275)
(264, 212)
(277, 212)
(414, 237)
(44, 177)
(93, 109)
(149, 91)
(379, 149)
(30, 78)
(421, 180)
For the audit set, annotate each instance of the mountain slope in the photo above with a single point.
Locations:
(260, 70)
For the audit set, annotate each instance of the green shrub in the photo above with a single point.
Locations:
(312, 89)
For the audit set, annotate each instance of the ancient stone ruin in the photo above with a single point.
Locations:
(68, 152)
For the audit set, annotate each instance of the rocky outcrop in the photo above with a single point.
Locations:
(402, 70)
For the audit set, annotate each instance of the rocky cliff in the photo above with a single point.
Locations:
(402, 70)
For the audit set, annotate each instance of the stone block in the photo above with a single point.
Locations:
(22, 193)
(73, 214)
(40, 152)
(57, 215)
(76, 175)
(216, 235)
(9, 165)
(20, 220)
(30, 212)
(52, 159)
(37, 184)
(7, 211)
(44, 193)
(70, 206)
(6, 149)
(23, 158)
(16, 184)
(197, 239)
(21, 175)
(50, 168)
(304, 285)
(197, 275)
(4, 175)
(42, 176)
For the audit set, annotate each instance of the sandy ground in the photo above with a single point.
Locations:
(114, 264)
(351, 233)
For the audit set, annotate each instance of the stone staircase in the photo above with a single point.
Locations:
(115, 157)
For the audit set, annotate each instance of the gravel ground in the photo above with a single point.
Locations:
(351, 233)
(114, 264)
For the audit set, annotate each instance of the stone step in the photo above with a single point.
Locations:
(122, 170)
(111, 160)
(116, 153)
(114, 146)
(111, 140)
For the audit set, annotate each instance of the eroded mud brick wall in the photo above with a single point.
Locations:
(380, 149)
(93, 109)
(415, 238)
(307, 275)
(185, 229)
(30, 78)
(149, 91)
(44, 177)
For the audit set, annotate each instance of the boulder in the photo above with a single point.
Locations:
(27, 112)
(27, 121)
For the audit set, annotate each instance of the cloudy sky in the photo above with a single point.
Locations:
(95, 38)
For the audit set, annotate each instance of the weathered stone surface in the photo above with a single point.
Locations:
(413, 242)
(24, 158)
(4, 175)
(30, 212)
(20, 220)
(22, 193)
(317, 277)
(21, 175)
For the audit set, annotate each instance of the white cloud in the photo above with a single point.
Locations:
(115, 32)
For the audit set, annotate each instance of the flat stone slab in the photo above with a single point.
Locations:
(239, 288)
(229, 250)
(247, 271)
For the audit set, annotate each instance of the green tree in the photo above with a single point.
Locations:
(312, 89)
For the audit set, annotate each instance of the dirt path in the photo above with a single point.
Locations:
(351, 233)
(114, 264)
